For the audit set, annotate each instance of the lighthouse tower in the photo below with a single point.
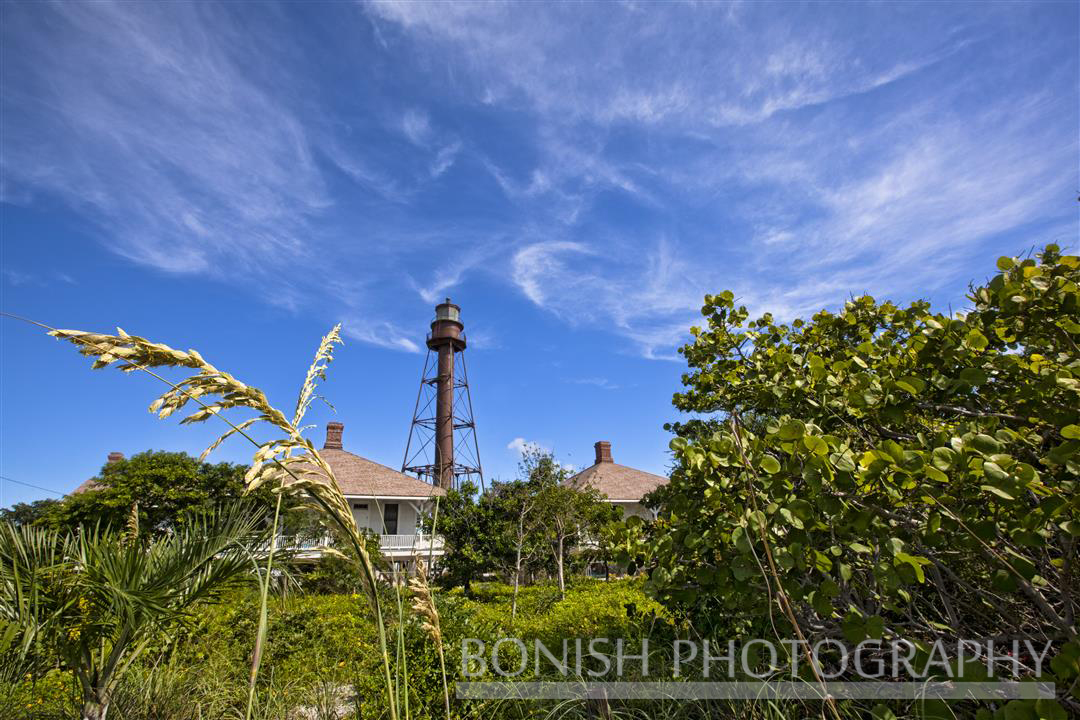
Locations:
(442, 445)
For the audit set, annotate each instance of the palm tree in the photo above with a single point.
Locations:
(91, 601)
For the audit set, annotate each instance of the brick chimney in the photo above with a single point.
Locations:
(603, 452)
(333, 435)
(115, 457)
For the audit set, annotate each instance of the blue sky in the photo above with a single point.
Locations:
(237, 178)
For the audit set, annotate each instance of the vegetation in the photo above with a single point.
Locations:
(323, 657)
(29, 513)
(530, 526)
(289, 464)
(92, 601)
(166, 487)
(884, 471)
(879, 472)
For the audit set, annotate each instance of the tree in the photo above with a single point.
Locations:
(94, 599)
(166, 486)
(512, 504)
(519, 541)
(567, 514)
(465, 526)
(867, 469)
(29, 513)
(512, 525)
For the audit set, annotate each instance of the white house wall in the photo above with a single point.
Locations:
(372, 517)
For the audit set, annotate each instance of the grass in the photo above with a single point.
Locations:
(323, 662)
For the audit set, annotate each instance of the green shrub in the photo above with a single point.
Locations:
(51, 697)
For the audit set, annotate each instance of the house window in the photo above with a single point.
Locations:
(390, 518)
(359, 506)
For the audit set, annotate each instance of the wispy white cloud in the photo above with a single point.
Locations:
(682, 64)
(452, 270)
(17, 278)
(416, 126)
(601, 382)
(483, 338)
(611, 166)
(647, 295)
(543, 271)
(381, 334)
(149, 123)
(830, 187)
(158, 124)
(444, 158)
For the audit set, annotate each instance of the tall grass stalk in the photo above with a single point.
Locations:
(403, 665)
(316, 371)
(274, 462)
(264, 595)
(424, 607)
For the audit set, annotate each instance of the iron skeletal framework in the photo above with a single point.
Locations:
(442, 447)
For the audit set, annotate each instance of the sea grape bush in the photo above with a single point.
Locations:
(911, 473)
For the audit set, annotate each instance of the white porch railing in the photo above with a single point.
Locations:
(396, 544)
(416, 541)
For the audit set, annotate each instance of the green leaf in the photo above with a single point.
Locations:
(802, 509)
(1072, 432)
(1003, 580)
(943, 458)
(973, 376)
(1047, 709)
(1000, 492)
(792, 430)
(935, 710)
(821, 604)
(994, 472)
(842, 462)
(912, 461)
(976, 340)
(815, 445)
(770, 464)
(1005, 263)
(916, 562)
(854, 628)
(1020, 710)
(1066, 664)
(911, 385)
(985, 444)
(935, 474)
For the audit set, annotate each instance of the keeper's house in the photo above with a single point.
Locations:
(383, 500)
(623, 486)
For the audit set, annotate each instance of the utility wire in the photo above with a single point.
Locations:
(29, 485)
